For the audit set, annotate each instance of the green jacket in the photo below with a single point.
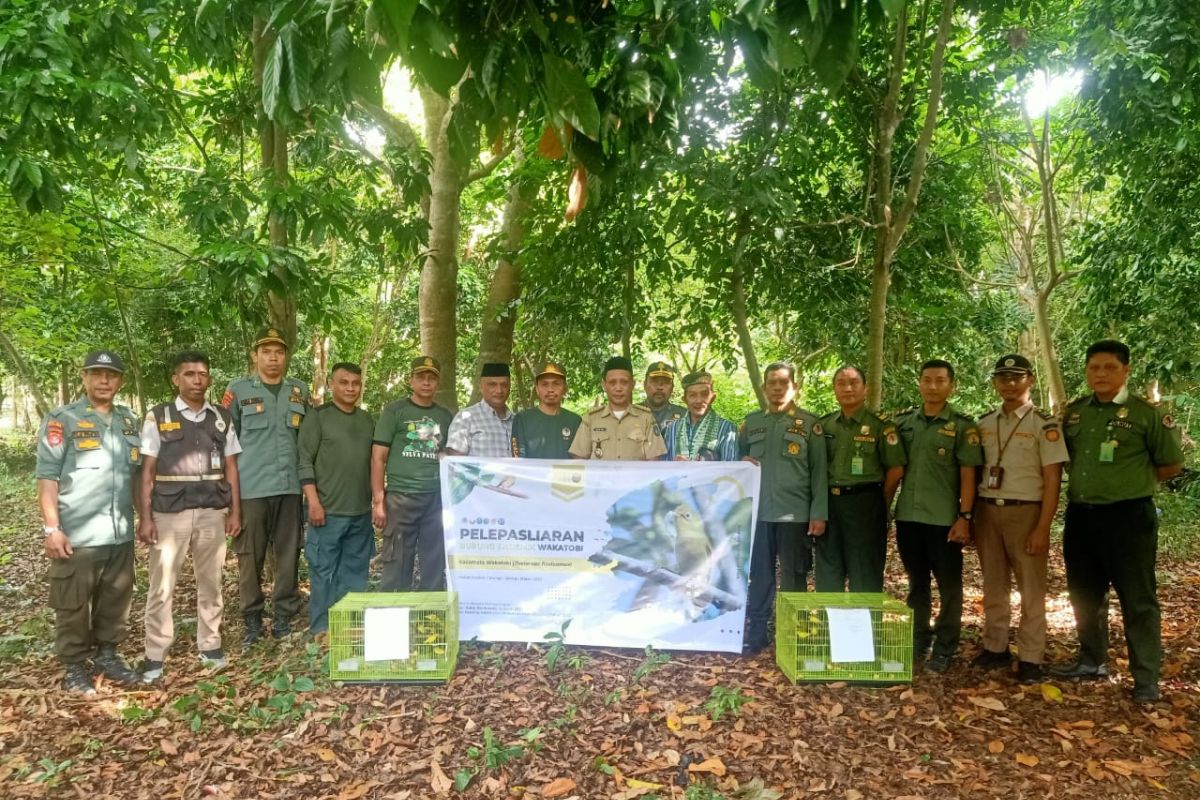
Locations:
(864, 441)
(790, 448)
(96, 466)
(267, 426)
(935, 450)
(1143, 437)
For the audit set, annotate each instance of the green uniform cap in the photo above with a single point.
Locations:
(692, 378)
(269, 336)
(426, 364)
(660, 369)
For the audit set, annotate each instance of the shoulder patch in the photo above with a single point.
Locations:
(816, 429)
(1050, 426)
(1043, 414)
(972, 437)
(1052, 434)
(54, 433)
(1168, 421)
(227, 398)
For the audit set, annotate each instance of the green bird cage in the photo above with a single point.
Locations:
(803, 647)
(366, 643)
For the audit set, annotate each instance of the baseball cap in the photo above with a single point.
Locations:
(104, 359)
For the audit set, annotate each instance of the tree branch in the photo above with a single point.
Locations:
(489, 166)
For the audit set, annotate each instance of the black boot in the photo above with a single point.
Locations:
(114, 668)
(79, 679)
(253, 630)
(281, 627)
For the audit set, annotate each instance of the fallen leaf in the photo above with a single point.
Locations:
(558, 787)
(1051, 693)
(674, 723)
(1027, 759)
(995, 746)
(438, 780)
(634, 783)
(990, 703)
(357, 790)
(836, 710)
(713, 765)
(169, 747)
(325, 754)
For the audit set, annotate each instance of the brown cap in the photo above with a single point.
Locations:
(269, 336)
(660, 369)
(551, 368)
(426, 364)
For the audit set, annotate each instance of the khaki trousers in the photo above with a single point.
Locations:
(200, 531)
(1000, 536)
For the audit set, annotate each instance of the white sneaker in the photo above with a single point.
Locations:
(214, 660)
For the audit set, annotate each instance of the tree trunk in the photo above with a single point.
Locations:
(25, 373)
(737, 280)
(1051, 370)
(320, 362)
(628, 296)
(500, 311)
(889, 226)
(439, 275)
(273, 156)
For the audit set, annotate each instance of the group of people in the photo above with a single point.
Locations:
(198, 473)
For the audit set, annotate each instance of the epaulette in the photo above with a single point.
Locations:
(1078, 400)
(904, 412)
(641, 407)
(1046, 415)
(597, 407)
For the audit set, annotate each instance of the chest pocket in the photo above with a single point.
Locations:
(1024, 443)
(254, 417)
(757, 441)
(88, 448)
(795, 445)
(296, 413)
(172, 433)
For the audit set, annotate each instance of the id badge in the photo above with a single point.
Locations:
(215, 460)
(856, 465)
(1107, 452)
(995, 477)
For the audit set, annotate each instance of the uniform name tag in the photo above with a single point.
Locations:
(169, 426)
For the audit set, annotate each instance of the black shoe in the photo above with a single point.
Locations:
(253, 631)
(114, 668)
(938, 662)
(1146, 694)
(281, 628)
(1081, 671)
(1028, 672)
(152, 671)
(991, 659)
(79, 679)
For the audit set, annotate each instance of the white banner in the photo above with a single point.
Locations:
(632, 553)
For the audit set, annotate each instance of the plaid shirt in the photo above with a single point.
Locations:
(479, 431)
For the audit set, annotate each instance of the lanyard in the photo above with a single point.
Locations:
(1004, 446)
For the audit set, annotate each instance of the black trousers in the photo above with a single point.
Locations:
(790, 544)
(413, 537)
(926, 554)
(90, 591)
(854, 546)
(1115, 545)
(270, 522)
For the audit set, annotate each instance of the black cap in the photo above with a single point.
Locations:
(269, 335)
(426, 364)
(660, 369)
(494, 370)
(692, 378)
(617, 362)
(104, 359)
(1013, 364)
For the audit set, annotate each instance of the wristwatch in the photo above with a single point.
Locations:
(49, 529)
(967, 515)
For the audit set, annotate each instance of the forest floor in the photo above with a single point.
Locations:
(602, 724)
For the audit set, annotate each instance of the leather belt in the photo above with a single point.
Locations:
(838, 491)
(212, 476)
(1004, 501)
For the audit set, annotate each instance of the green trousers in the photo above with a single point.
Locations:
(90, 591)
(854, 545)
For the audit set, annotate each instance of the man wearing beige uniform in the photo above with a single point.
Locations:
(618, 430)
(1024, 453)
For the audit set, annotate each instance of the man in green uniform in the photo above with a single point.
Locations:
(618, 430)
(1120, 447)
(788, 443)
(335, 472)
(546, 431)
(409, 437)
(702, 434)
(1023, 453)
(267, 410)
(87, 465)
(933, 514)
(866, 463)
(659, 386)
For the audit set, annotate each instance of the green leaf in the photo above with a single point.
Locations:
(893, 8)
(397, 16)
(462, 779)
(299, 71)
(304, 684)
(752, 10)
(272, 75)
(570, 96)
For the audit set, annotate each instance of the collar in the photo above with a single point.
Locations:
(856, 419)
(1121, 398)
(483, 406)
(180, 405)
(946, 413)
(1018, 412)
(790, 409)
(687, 418)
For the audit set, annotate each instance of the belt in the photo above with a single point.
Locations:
(838, 491)
(1004, 501)
(212, 476)
(1114, 504)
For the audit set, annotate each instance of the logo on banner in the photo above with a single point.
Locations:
(566, 481)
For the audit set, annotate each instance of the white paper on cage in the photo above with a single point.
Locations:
(850, 635)
(385, 634)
